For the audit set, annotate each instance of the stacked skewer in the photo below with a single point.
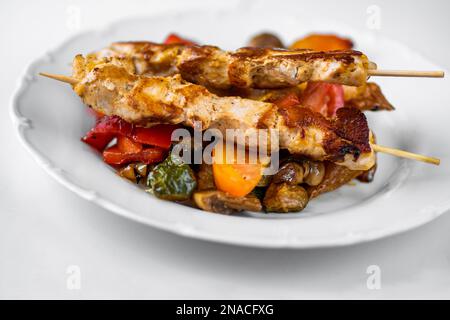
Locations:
(213, 68)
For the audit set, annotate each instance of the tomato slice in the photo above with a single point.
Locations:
(322, 97)
(234, 178)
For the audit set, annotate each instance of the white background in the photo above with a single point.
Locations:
(44, 228)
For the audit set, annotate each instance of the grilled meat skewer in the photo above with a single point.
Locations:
(365, 97)
(262, 68)
(112, 90)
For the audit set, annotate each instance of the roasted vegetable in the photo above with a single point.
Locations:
(302, 171)
(126, 145)
(110, 127)
(159, 135)
(220, 202)
(285, 197)
(322, 42)
(141, 170)
(290, 172)
(134, 172)
(172, 179)
(235, 179)
(174, 38)
(105, 129)
(128, 172)
(265, 40)
(115, 156)
(322, 97)
(335, 177)
(314, 172)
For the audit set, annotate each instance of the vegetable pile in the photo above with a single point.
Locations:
(142, 155)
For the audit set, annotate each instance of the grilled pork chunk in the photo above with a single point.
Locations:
(263, 68)
(112, 89)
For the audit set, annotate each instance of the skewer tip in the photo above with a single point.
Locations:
(406, 73)
(406, 154)
(58, 77)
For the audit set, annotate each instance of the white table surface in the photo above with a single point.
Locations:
(45, 228)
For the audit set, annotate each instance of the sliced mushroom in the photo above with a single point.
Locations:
(285, 197)
(265, 40)
(315, 174)
(220, 202)
(291, 172)
(297, 172)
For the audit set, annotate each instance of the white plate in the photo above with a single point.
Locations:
(50, 120)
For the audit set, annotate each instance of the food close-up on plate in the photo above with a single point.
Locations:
(359, 150)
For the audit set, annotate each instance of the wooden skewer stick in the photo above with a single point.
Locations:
(405, 154)
(405, 73)
(60, 77)
(377, 148)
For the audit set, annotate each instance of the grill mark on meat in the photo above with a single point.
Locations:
(346, 126)
(351, 124)
(246, 67)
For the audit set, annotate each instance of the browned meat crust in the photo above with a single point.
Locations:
(246, 67)
(349, 125)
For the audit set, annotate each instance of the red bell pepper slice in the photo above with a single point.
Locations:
(127, 145)
(106, 129)
(114, 156)
(174, 38)
(98, 141)
(158, 135)
(110, 127)
(322, 97)
(114, 125)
